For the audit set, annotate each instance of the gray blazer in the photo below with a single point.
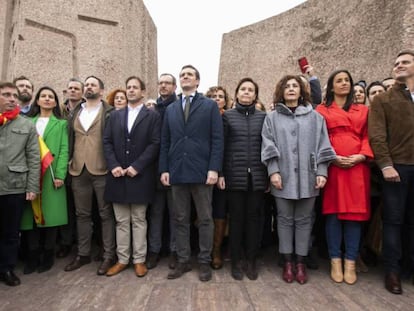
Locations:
(296, 145)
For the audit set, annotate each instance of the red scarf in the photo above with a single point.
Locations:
(9, 115)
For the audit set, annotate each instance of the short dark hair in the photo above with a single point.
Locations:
(101, 84)
(174, 80)
(78, 81)
(23, 78)
(141, 83)
(372, 84)
(406, 51)
(279, 93)
(194, 68)
(247, 79)
(4, 84)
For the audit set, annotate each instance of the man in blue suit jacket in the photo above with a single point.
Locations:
(190, 159)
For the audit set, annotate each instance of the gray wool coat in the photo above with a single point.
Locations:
(296, 145)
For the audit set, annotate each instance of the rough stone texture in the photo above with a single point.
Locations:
(52, 41)
(361, 36)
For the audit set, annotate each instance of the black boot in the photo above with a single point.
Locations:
(47, 262)
(251, 270)
(32, 261)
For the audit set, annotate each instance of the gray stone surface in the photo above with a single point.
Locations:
(52, 41)
(361, 36)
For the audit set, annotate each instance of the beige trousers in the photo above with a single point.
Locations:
(127, 216)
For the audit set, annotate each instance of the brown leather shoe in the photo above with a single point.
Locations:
(393, 283)
(301, 275)
(78, 262)
(140, 269)
(115, 269)
(288, 272)
(104, 267)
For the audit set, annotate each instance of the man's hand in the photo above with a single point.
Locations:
(276, 181)
(130, 171)
(391, 174)
(221, 184)
(165, 179)
(117, 172)
(212, 177)
(30, 196)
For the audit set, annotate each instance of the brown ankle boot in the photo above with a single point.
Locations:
(350, 276)
(219, 229)
(336, 270)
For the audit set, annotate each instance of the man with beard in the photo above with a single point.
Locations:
(163, 198)
(88, 171)
(25, 88)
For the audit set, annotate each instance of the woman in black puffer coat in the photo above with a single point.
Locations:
(245, 177)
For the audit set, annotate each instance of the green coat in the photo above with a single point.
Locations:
(53, 200)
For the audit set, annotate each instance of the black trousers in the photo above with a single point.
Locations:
(11, 210)
(245, 221)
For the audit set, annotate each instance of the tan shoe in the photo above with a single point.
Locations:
(336, 270)
(140, 269)
(350, 276)
(116, 268)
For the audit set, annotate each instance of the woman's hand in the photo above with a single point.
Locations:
(58, 183)
(320, 182)
(276, 181)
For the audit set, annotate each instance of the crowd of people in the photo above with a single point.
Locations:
(182, 171)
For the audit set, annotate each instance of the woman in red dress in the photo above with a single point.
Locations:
(347, 192)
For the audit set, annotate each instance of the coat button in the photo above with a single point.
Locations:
(127, 152)
(293, 133)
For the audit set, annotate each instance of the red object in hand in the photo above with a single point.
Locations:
(303, 63)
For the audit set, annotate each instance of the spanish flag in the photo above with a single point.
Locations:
(46, 158)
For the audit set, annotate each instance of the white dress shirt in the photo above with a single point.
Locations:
(87, 116)
(132, 115)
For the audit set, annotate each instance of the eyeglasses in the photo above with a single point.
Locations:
(9, 95)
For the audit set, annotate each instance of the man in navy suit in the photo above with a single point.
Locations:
(190, 159)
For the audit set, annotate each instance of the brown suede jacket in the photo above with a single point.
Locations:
(391, 127)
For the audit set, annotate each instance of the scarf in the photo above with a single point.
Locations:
(9, 115)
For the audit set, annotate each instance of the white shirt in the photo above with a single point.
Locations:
(132, 115)
(87, 116)
(41, 124)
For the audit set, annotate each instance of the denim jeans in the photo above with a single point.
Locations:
(349, 230)
(398, 198)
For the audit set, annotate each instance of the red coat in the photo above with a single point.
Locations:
(347, 192)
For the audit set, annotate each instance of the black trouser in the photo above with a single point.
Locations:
(11, 210)
(244, 211)
(42, 238)
(398, 209)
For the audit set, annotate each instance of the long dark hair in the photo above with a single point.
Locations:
(279, 93)
(35, 108)
(330, 96)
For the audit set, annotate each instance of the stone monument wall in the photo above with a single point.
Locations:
(52, 41)
(361, 36)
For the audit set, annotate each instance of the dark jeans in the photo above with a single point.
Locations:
(202, 196)
(398, 198)
(245, 221)
(349, 231)
(67, 233)
(11, 209)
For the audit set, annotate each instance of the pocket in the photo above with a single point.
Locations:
(18, 176)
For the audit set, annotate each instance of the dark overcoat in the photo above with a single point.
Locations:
(190, 149)
(139, 149)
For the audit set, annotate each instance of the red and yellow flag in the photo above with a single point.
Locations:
(46, 158)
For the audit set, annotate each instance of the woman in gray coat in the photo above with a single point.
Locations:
(297, 152)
